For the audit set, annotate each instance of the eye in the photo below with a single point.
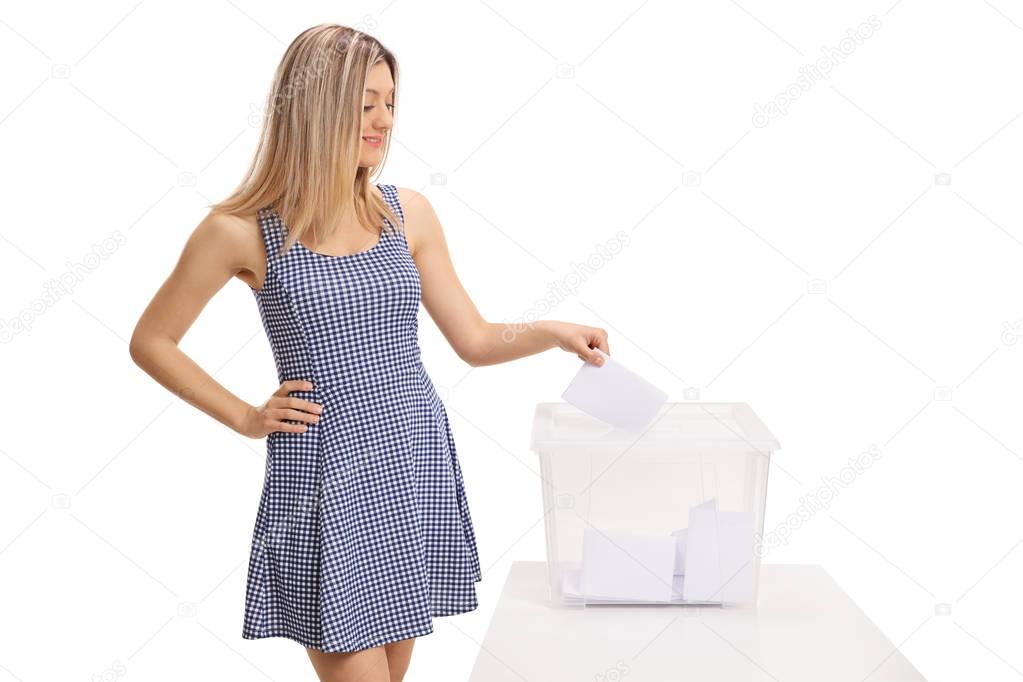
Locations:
(370, 106)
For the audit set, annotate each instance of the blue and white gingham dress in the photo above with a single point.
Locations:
(363, 531)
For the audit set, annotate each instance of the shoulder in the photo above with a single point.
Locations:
(405, 193)
(412, 202)
(421, 223)
(233, 233)
(231, 242)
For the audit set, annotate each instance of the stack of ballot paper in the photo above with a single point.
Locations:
(718, 555)
(622, 565)
(709, 561)
(614, 394)
(681, 541)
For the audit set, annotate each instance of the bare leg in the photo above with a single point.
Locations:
(398, 656)
(367, 665)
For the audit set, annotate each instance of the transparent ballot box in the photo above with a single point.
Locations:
(669, 514)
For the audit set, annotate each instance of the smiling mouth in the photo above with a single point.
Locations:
(373, 139)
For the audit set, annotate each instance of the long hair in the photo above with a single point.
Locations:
(306, 167)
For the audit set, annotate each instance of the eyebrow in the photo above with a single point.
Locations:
(377, 93)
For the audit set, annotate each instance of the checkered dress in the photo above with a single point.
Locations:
(363, 531)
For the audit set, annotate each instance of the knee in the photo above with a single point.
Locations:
(365, 665)
(397, 666)
(399, 656)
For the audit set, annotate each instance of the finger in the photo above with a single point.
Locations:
(276, 417)
(289, 428)
(602, 342)
(299, 415)
(293, 385)
(300, 404)
(287, 386)
(595, 348)
(287, 402)
(589, 354)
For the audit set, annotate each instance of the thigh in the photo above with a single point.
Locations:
(368, 665)
(398, 656)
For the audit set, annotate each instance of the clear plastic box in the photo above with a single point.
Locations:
(671, 514)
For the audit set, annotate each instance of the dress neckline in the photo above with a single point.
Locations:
(364, 252)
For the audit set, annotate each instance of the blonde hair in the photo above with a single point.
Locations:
(306, 167)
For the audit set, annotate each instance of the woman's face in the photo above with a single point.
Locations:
(377, 114)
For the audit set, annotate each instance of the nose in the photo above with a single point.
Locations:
(380, 118)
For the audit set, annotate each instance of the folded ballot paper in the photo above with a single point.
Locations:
(709, 561)
(614, 394)
(718, 555)
(622, 565)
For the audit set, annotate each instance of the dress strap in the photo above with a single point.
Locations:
(390, 193)
(273, 237)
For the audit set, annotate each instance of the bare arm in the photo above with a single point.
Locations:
(475, 340)
(214, 253)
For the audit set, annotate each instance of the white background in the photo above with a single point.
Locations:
(815, 267)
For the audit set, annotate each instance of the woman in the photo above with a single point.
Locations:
(362, 534)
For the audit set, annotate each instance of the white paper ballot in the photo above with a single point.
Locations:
(681, 538)
(621, 565)
(676, 587)
(615, 394)
(718, 555)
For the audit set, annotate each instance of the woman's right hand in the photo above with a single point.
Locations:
(270, 416)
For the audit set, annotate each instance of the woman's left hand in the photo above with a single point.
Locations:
(580, 339)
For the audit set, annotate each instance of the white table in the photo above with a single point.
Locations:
(805, 628)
